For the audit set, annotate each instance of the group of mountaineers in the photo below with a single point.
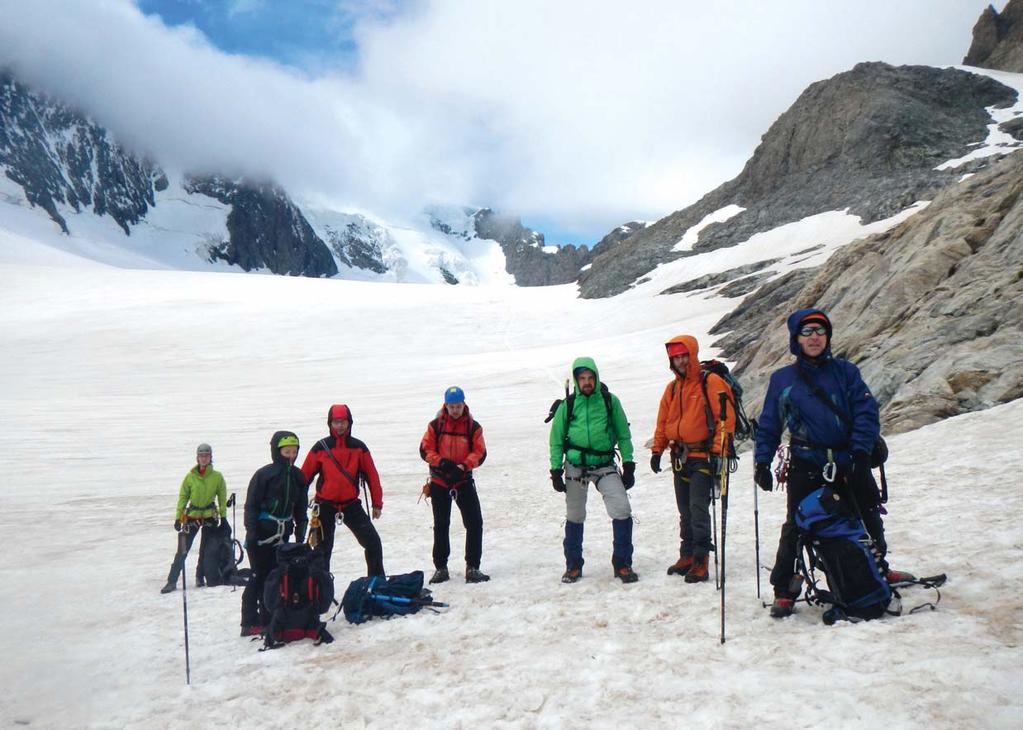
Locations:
(829, 412)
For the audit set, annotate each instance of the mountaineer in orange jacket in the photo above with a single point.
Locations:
(340, 462)
(689, 424)
(453, 446)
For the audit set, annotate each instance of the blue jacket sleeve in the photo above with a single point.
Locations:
(866, 418)
(770, 427)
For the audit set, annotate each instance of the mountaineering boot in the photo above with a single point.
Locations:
(572, 575)
(626, 574)
(440, 575)
(782, 607)
(698, 572)
(682, 566)
(168, 588)
(475, 575)
(898, 576)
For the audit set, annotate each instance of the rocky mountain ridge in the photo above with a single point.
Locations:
(868, 140)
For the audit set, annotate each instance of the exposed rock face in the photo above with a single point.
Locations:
(931, 311)
(709, 280)
(524, 252)
(867, 139)
(360, 244)
(60, 157)
(998, 39)
(267, 229)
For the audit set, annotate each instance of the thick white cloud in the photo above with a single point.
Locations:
(587, 112)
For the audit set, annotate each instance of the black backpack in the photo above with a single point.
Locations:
(745, 427)
(297, 591)
(221, 560)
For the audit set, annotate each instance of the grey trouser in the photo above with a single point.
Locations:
(608, 482)
(693, 484)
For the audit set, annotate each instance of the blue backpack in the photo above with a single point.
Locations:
(398, 595)
(837, 545)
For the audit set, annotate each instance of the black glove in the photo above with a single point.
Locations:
(177, 525)
(629, 474)
(655, 463)
(300, 532)
(446, 466)
(763, 477)
(558, 479)
(224, 527)
(251, 542)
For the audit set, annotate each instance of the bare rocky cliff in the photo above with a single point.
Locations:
(998, 39)
(931, 311)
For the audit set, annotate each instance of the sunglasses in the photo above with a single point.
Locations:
(812, 330)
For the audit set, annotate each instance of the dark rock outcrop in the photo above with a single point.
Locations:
(721, 277)
(267, 229)
(867, 140)
(525, 257)
(930, 310)
(998, 39)
(60, 157)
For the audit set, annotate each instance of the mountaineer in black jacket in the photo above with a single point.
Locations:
(275, 507)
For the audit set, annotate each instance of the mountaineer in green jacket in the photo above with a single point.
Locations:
(586, 428)
(202, 499)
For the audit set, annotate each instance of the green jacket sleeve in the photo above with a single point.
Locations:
(183, 495)
(557, 440)
(620, 424)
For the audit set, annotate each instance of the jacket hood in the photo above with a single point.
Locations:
(340, 411)
(589, 364)
(798, 316)
(693, 368)
(275, 451)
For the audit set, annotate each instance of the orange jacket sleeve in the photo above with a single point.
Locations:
(376, 492)
(479, 449)
(428, 446)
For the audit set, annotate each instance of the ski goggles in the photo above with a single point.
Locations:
(812, 329)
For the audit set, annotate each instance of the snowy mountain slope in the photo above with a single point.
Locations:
(108, 396)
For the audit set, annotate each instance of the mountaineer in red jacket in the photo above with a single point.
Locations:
(340, 462)
(453, 446)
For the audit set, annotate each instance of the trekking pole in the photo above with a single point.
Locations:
(714, 535)
(756, 531)
(182, 543)
(232, 503)
(723, 459)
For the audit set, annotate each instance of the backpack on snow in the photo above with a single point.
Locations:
(297, 591)
(837, 545)
(569, 401)
(220, 562)
(398, 595)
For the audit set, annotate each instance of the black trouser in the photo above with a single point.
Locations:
(804, 478)
(262, 559)
(190, 531)
(468, 502)
(693, 485)
(356, 520)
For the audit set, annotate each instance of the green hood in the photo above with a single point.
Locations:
(589, 364)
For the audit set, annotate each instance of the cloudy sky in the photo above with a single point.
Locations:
(577, 114)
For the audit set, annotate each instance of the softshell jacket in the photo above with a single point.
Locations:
(277, 491)
(815, 428)
(198, 492)
(335, 485)
(682, 415)
(590, 428)
(460, 440)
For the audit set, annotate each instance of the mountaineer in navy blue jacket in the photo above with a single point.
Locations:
(822, 443)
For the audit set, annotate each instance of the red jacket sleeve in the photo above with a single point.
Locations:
(311, 466)
(479, 448)
(376, 493)
(428, 446)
